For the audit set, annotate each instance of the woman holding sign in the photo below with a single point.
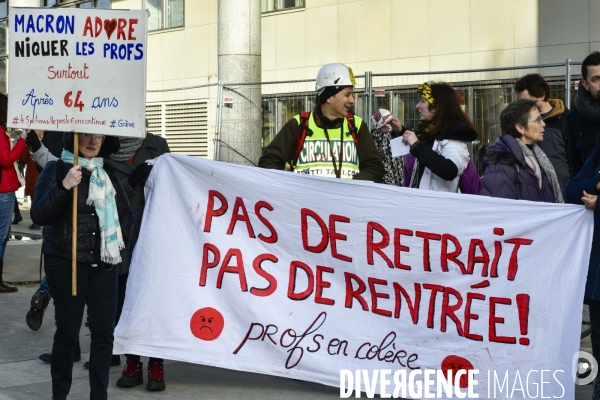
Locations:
(104, 225)
(9, 183)
(439, 142)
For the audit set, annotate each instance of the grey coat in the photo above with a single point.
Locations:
(152, 147)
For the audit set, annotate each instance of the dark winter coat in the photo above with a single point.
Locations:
(152, 147)
(52, 207)
(507, 175)
(31, 173)
(586, 180)
(582, 139)
(555, 137)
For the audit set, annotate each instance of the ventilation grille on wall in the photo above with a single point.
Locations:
(154, 116)
(185, 126)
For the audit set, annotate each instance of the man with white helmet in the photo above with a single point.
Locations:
(330, 141)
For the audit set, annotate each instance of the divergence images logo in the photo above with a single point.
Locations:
(585, 368)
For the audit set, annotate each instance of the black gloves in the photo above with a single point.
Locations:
(139, 175)
(33, 141)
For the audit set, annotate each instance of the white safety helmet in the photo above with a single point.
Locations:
(335, 74)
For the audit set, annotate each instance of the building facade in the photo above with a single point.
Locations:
(382, 37)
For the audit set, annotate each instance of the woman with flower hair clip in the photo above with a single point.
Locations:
(439, 141)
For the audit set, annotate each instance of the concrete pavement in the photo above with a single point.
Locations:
(24, 377)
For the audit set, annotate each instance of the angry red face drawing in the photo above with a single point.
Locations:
(455, 363)
(207, 324)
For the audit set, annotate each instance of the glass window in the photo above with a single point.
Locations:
(404, 107)
(165, 14)
(277, 111)
(277, 5)
(269, 130)
(381, 102)
(175, 14)
(155, 19)
(3, 31)
(3, 87)
(289, 107)
(488, 104)
(267, 5)
(103, 4)
(76, 3)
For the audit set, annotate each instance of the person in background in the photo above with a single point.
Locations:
(382, 132)
(41, 298)
(584, 189)
(31, 172)
(439, 142)
(514, 165)
(18, 217)
(327, 127)
(583, 120)
(129, 162)
(554, 114)
(9, 183)
(40, 156)
(131, 167)
(104, 225)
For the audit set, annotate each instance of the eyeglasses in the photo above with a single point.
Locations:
(538, 120)
(96, 137)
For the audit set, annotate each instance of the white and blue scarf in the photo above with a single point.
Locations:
(101, 195)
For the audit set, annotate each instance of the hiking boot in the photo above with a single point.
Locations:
(47, 357)
(156, 377)
(4, 288)
(35, 315)
(132, 375)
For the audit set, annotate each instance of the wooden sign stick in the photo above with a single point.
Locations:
(74, 231)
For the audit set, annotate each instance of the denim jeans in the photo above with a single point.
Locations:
(44, 286)
(96, 287)
(7, 205)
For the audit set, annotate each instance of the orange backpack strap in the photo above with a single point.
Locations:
(352, 128)
(303, 131)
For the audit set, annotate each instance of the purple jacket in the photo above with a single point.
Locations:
(506, 173)
(469, 182)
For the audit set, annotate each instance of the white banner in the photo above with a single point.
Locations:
(81, 70)
(303, 277)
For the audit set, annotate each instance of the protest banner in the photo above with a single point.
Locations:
(304, 277)
(81, 70)
(78, 70)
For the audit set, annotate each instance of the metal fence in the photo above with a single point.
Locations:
(277, 103)
(483, 94)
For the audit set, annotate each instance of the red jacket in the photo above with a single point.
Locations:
(9, 182)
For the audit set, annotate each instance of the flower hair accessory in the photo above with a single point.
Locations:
(425, 90)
